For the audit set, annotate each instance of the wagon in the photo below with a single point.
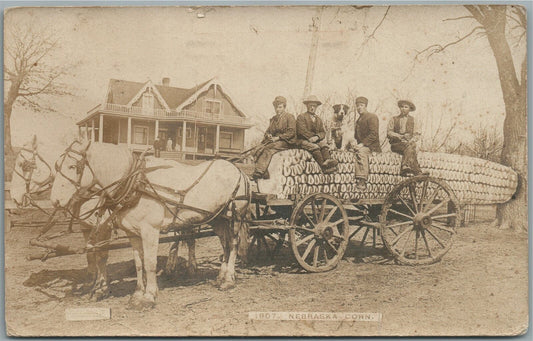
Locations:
(415, 217)
(416, 227)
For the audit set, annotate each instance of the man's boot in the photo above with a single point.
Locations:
(328, 161)
(317, 155)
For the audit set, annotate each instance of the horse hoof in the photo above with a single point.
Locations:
(140, 303)
(227, 286)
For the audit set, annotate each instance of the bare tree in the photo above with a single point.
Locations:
(504, 26)
(487, 144)
(31, 73)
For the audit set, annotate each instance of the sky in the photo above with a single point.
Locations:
(257, 53)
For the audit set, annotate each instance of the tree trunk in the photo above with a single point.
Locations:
(8, 109)
(514, 213)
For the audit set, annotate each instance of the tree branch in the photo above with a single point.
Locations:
(437, 48)
(372, 35)
(459, 18)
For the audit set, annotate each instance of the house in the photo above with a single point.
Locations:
(200, 122)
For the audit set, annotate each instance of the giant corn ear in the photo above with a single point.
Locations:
(473, 180)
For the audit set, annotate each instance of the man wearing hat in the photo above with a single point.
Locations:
(311, 135)
(401, 134)
(367, 136)
(280, 135)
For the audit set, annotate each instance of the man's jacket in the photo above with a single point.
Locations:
(367, 131)
(307, 128)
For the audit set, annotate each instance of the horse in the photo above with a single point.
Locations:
(214, 192)
(32, 175)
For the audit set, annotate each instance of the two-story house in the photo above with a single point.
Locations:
(200, 122)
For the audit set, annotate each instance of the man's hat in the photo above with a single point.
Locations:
(279, 100)
(409, 103)
(312, 99)
(361, 99)
(337, 108)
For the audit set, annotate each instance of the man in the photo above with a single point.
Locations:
(280, 135)
(157, 147)
(169, 144)
(311, 135)
(401, 134)
(367, 136)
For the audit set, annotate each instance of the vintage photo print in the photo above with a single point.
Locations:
(354, 170)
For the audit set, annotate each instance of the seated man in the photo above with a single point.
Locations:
(401, 134)
(367, 136)
(280, 135)
(311, 135)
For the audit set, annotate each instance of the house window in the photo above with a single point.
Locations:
(226, 140)
(140, 135)
(189, 132)
(212, 106)
(148, 100)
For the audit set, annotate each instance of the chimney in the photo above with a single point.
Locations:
(166, 81)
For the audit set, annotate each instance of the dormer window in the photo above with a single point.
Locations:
(213, 106)
(148, 100)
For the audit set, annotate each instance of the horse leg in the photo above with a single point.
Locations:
(191, 262)
(92, 269)
(150, 244)
(221, 233)
(229, 276)
(101, 288)
(136, 244)
(173, 259)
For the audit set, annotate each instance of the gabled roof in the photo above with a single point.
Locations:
(122, 92)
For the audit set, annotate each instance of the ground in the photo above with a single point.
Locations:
(479, 288)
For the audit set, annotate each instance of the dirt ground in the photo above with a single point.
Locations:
(479, 288)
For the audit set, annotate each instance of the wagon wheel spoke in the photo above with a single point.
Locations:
(315, 213)
(449, 215)
(330, 214)
(406, 205)
(398, 225)
(322, 211)
(412, 193)
(400, 214)
(305, 239)
(437, 239)
(426, 243)
(328, 243)
(443, 228)
(315, 255)
(431, 198)
(398, 237)
(310, 222)
(308, 249)
(436, 207)
(305, 229)
(416, 244)
(402, 253)
(423, 195)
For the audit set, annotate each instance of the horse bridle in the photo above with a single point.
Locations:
(28, 166)
(80, 165)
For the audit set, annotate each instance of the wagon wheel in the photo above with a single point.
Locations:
(265, 244)
(319, 232)
(418, 220)
(362, 213)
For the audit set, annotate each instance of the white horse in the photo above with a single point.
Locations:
(33, 175)
(214, 192)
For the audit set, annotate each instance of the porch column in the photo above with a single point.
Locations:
(217, 139)
(184, 138)
(86, 131)
(156, 129)
(101, 129)
(129, 131)
(92, 130)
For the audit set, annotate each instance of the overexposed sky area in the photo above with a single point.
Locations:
(258, 53)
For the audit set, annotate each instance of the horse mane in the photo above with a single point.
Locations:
(109, 162)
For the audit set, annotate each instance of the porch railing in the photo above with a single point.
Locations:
(165, 113)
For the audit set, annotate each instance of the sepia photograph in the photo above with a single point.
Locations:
(326, 170)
